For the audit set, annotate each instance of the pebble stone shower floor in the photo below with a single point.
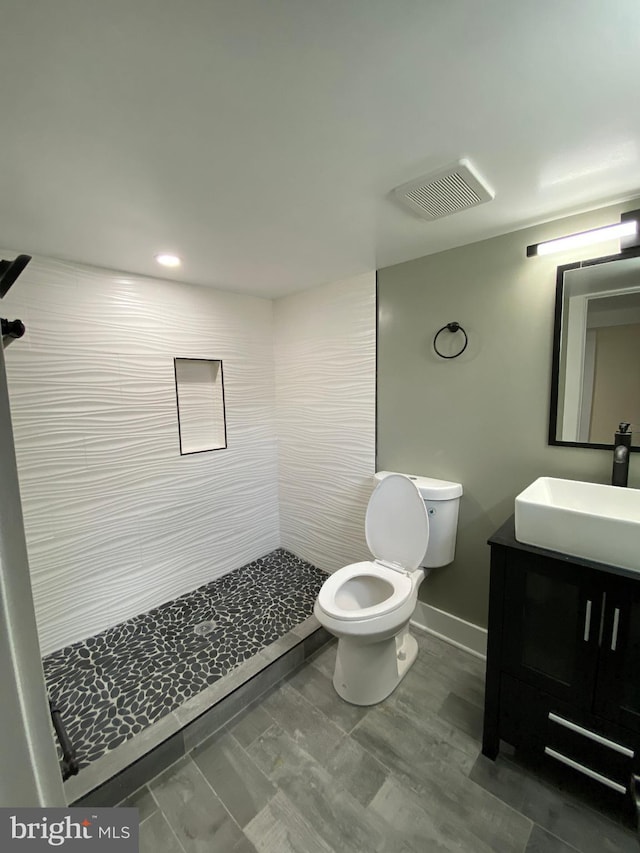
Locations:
(112, 686)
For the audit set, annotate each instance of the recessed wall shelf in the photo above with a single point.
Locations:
(200, 398)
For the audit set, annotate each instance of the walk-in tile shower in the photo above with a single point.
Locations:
(112, 686)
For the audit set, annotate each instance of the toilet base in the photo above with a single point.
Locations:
(367, 674)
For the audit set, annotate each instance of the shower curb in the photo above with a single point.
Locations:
(117, 774)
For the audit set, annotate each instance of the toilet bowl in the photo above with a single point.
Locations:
(368, 605)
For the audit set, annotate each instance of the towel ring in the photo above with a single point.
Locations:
(451, 327)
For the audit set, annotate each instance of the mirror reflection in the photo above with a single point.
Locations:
(596, 363)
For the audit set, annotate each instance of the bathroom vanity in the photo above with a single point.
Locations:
(563, 660)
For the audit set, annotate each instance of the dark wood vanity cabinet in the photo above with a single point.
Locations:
(563, 660)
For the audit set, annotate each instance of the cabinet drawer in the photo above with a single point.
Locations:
(539, 723)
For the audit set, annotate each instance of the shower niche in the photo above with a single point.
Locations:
(200, 403)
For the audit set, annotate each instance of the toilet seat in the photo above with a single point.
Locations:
(328, 597)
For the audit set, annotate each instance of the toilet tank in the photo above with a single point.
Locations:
(442, 500)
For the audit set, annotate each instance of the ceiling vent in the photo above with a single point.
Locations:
(444, 192)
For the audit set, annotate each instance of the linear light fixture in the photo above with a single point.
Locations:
(584, 238)
(168, 260)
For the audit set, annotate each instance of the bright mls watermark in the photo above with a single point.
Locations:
(77, 829)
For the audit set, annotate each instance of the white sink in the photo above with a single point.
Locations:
(588, 520)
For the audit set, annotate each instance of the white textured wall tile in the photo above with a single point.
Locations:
(116, 520)
(325, 379)
(84, 573)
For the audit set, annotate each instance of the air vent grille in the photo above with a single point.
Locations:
(442, 193)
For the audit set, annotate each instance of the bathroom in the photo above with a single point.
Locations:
(308, 395)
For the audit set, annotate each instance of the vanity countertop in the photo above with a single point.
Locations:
(506, 536)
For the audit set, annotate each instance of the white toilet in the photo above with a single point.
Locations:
(410, 526)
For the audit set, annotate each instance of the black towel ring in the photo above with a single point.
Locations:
(451, 327)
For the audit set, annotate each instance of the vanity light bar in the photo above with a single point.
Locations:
(584, 238)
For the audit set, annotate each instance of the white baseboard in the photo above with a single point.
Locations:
(465, 635)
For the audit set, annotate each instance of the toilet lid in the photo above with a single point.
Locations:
(397, 524)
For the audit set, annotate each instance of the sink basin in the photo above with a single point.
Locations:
(588, 520)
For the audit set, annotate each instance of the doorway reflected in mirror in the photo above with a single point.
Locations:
(596, 358)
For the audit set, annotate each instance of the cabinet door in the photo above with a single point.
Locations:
(551, 622)
(617, 695)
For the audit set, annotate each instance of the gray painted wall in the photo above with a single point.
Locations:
(480, 419)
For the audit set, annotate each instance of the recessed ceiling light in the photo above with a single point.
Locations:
(168, 260)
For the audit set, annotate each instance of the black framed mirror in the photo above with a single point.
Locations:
(595, 379)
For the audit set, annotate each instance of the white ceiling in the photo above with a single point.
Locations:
(259, 139)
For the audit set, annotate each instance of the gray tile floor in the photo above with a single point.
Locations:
(304, 772)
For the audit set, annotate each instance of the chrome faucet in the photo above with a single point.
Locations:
(622, 443)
